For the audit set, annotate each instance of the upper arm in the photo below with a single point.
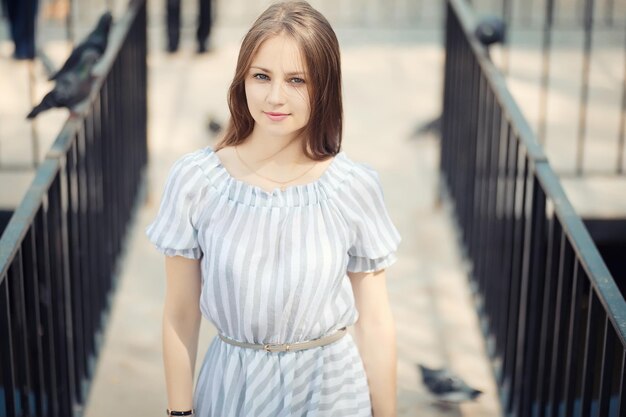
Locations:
(182, 296)
(370, 296)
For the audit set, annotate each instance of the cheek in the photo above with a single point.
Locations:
(302, 101)
(253, 93)
(307, 109)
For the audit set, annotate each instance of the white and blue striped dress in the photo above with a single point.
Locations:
(274, 271)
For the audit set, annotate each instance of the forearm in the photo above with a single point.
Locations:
(377, 347)
(180, 344)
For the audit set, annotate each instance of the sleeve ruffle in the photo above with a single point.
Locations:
(376, 239)
(174, 230)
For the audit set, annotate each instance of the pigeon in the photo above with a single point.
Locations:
(96, 41)
(490, 30)
(213, 125)
(446, 386)
(71, 87)
(433, 126)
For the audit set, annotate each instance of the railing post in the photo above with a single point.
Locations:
(59, 251)
(541, 287)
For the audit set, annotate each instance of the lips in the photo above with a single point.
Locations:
(276, 117)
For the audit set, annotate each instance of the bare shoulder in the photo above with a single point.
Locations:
(225, 153)
(229, 160)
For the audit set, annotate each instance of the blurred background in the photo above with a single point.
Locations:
(496, 145)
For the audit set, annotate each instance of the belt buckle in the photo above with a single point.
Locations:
(268, 347)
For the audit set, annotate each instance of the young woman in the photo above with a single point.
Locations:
(281, 241)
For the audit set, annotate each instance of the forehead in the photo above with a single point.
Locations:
(279, 53)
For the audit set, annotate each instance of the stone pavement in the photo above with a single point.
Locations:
(392, 83)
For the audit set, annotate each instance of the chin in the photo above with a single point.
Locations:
(279, 130)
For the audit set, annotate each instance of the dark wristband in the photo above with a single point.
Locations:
(180, 413)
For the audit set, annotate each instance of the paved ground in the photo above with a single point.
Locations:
(392, 83)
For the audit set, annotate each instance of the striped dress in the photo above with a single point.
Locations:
(274, 271)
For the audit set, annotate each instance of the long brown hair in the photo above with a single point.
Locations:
(320, 49)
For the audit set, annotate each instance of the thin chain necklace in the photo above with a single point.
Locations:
(283, 186)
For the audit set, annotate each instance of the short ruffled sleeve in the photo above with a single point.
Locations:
(376, 238)
(174, 230)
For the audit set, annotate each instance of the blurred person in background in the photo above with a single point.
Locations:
(203, 29)
(22, 16)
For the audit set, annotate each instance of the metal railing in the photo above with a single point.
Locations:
(59, 252)
(595, 25)
(54, 25)
(553, 317)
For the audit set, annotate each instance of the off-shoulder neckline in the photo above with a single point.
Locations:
(336, 173)
(277, 189)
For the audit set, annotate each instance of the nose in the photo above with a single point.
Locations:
(276, 95)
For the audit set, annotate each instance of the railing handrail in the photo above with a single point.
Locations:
(585, 249)
(590, 259)
(118, 33)
(495, 78)
(25, 212)
(61, 251)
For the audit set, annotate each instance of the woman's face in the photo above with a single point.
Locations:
(276, 89)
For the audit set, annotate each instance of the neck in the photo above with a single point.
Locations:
(282, 152)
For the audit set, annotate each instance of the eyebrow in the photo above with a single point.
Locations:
(269, 72)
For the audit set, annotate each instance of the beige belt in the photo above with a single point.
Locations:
(289, 347)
